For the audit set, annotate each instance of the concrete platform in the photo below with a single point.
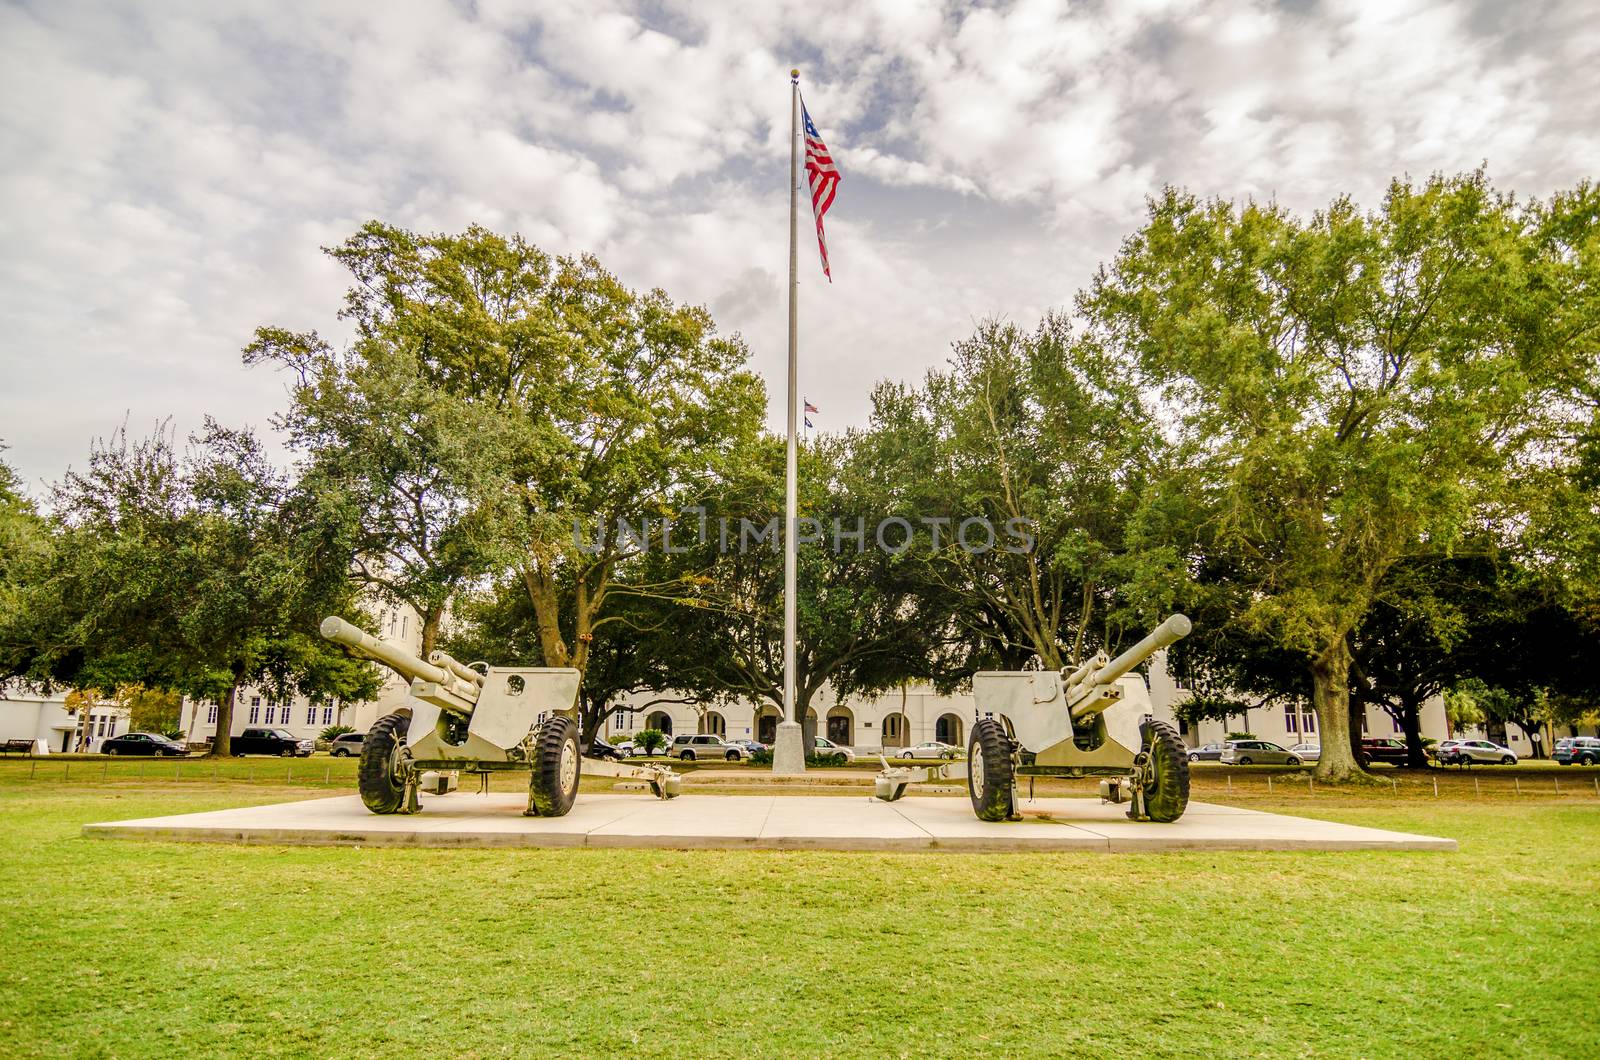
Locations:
(757, 822)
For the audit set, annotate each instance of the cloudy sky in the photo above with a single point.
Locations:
(168, 171)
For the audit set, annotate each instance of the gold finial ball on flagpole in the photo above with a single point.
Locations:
(795, 74)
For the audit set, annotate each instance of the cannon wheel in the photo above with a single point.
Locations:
(989, 771)
(556, 767)
(1166, 778)
(379, 776)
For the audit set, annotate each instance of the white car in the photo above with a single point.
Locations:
(1478, 751)
(931, 749)
(1306, 752)
(825, 746)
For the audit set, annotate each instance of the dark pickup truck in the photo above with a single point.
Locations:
(271, 742)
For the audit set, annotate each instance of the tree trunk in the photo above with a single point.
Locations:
(430, 629)
(221, 744)
(1411, 723)
(1330, 680)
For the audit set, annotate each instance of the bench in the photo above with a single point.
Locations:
(17, 747)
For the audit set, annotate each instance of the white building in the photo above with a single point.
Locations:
(46, 720)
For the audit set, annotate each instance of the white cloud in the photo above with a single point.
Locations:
(169, 172)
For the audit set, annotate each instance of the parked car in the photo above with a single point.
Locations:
(1306, 752)
(931, 749)
(1383, 749)
(271, 742)
(1211, 752)
(750, 745)
(1445, 750)
(347, 744)
(1584, 750)
(1256, 753)
(825, 746)
(598, 748)
(1466, 752)
(142, 743)
(689, 748)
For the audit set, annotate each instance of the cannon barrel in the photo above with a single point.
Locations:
(1174, 629)
(409, 666)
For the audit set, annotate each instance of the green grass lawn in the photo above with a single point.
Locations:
(138, 949)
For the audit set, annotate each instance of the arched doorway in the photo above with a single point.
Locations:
(659, 720)
(948, 729)
(713, 723)
(841, 726)
(767, 726)
(896, 728)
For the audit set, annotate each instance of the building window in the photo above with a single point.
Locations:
(1396, 722)
(211, 714)
(255, 714)
(891, 727)
(1308, 723)
(1291, 718)
(405, 620)
(327, 715)
(255, 701)
(311, 715)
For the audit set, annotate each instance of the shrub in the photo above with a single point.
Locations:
(650, 740)
(331, 731)
(762, 757)
(829, 758)
(1240, 736)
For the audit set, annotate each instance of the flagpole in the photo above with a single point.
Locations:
(788, 752)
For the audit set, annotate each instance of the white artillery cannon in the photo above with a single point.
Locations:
(461, 719)
(1091, 721)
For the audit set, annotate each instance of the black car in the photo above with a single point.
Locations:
(600, 749)
(1211, 752)
(142, 743)
(270, 742)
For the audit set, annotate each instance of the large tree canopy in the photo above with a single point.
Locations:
(527, 403)
(1356, 389)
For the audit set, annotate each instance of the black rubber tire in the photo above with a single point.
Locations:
(1507, 760)
(341, 753)
(112, 751)
(1245, 760)
(1166, 801)
(990, 771)
(557, 765)
(733, 756)
(1194, 758)
(688, 756)
(381, 791)
(1587, 760)
(1293, 761)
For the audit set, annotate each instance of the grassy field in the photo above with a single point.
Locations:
(139, 949)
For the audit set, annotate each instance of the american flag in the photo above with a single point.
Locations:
(824, 178)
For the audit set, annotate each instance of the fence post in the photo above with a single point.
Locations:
(69, 770)
(1436, 787)
(327, 775)
(33, 767)
(288, 774)
(1558, 785)
(1475, 789)
(1394, 786)
(1269, 783)
(1518, 782)
(105, 769)
(1230, 783)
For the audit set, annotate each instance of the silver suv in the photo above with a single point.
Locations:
(1257, 753)
(347, 744)
(689, 748)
